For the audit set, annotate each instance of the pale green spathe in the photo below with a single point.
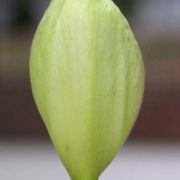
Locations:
(87, 79)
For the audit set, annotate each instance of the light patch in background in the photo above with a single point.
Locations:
(37, 160)
(154, 19)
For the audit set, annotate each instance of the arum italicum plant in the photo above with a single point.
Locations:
(87, 79)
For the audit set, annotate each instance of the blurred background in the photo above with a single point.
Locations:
(153, 148)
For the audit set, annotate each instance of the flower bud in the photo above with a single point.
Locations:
(87, 80)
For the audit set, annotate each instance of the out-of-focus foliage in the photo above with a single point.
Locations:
(126, 6)
(22, 13)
